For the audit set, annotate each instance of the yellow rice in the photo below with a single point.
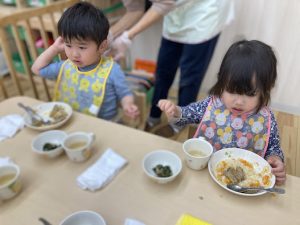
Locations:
(253, 178)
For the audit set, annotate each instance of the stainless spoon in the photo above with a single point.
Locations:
(35, 118)
(238, 188)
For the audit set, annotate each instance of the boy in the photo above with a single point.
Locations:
(89, 82)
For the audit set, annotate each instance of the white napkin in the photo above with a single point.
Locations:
(5, 161)
(132, 222)
(102, 171)
(10, 125)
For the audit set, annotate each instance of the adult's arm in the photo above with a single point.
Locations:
(158, 9)
(134, 11)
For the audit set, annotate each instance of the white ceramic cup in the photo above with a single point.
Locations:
(197, 152)
(12, 185)
(78, 145)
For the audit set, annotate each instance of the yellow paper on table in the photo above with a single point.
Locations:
(186, 219)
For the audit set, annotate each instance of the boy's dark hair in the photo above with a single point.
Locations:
(83, 21)
(248, 67)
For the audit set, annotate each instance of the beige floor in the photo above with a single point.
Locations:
(289, 125)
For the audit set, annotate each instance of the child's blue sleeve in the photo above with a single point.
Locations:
(274, 141)
(193, 113)
(120, 82)
(51, 71)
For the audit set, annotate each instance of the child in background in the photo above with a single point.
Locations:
(236, 113)
(89, 82)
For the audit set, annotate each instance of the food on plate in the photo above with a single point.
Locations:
(50, 146)
(36, 123)
(242, 172)
(162, 171)
(58, 113)
(235, 175)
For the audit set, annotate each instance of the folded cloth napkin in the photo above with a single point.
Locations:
(129, 221)
(10, 125)
(5, 161)
(187, 219)
(102, 171)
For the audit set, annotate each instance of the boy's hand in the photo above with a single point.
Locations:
(59, 45)
(277, 169)
(131, 110)
(169, 108)
(47, 56)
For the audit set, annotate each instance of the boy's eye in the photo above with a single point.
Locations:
(82, 47)
(68, 45)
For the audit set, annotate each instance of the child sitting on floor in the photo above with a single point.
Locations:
(236, 114)
(89, 82)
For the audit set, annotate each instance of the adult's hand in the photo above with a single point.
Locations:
(120, 45)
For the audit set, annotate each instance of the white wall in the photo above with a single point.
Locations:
(275, 22)
(146, 44)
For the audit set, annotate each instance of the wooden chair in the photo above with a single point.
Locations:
(34, 22)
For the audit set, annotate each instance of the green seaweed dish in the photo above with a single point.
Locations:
(50, 146)
(162, 171)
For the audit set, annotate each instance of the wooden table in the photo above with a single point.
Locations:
(50, 190)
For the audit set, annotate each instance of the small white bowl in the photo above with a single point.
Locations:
(165, 158)
(84, 217)
(54, 137)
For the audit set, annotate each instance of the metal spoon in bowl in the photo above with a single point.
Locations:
(238, 188)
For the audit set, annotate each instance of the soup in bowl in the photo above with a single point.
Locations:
(10, 184)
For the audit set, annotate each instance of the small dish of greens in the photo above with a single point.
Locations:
(49, 143)
(162, 166)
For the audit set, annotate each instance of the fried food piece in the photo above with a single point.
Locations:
(58, 113)
(235, 175)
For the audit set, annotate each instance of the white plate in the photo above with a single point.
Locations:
(234, 153)
(44, 110)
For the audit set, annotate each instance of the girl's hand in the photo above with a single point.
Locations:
(171, 110)
(59, 45)
(277, 169)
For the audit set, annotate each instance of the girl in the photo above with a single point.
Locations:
(236, 113)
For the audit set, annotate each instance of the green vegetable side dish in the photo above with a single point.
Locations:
(162, 171)
(50, 146)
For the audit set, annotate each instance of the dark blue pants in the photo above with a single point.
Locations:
(192, 59)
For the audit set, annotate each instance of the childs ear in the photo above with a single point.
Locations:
(103, 46)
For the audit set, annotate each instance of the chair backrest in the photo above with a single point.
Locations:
(18, 35)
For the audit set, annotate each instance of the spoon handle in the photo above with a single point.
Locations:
(276, 190)
(272, 190)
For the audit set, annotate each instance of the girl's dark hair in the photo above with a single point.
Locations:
(83, 21)
(248, 67)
